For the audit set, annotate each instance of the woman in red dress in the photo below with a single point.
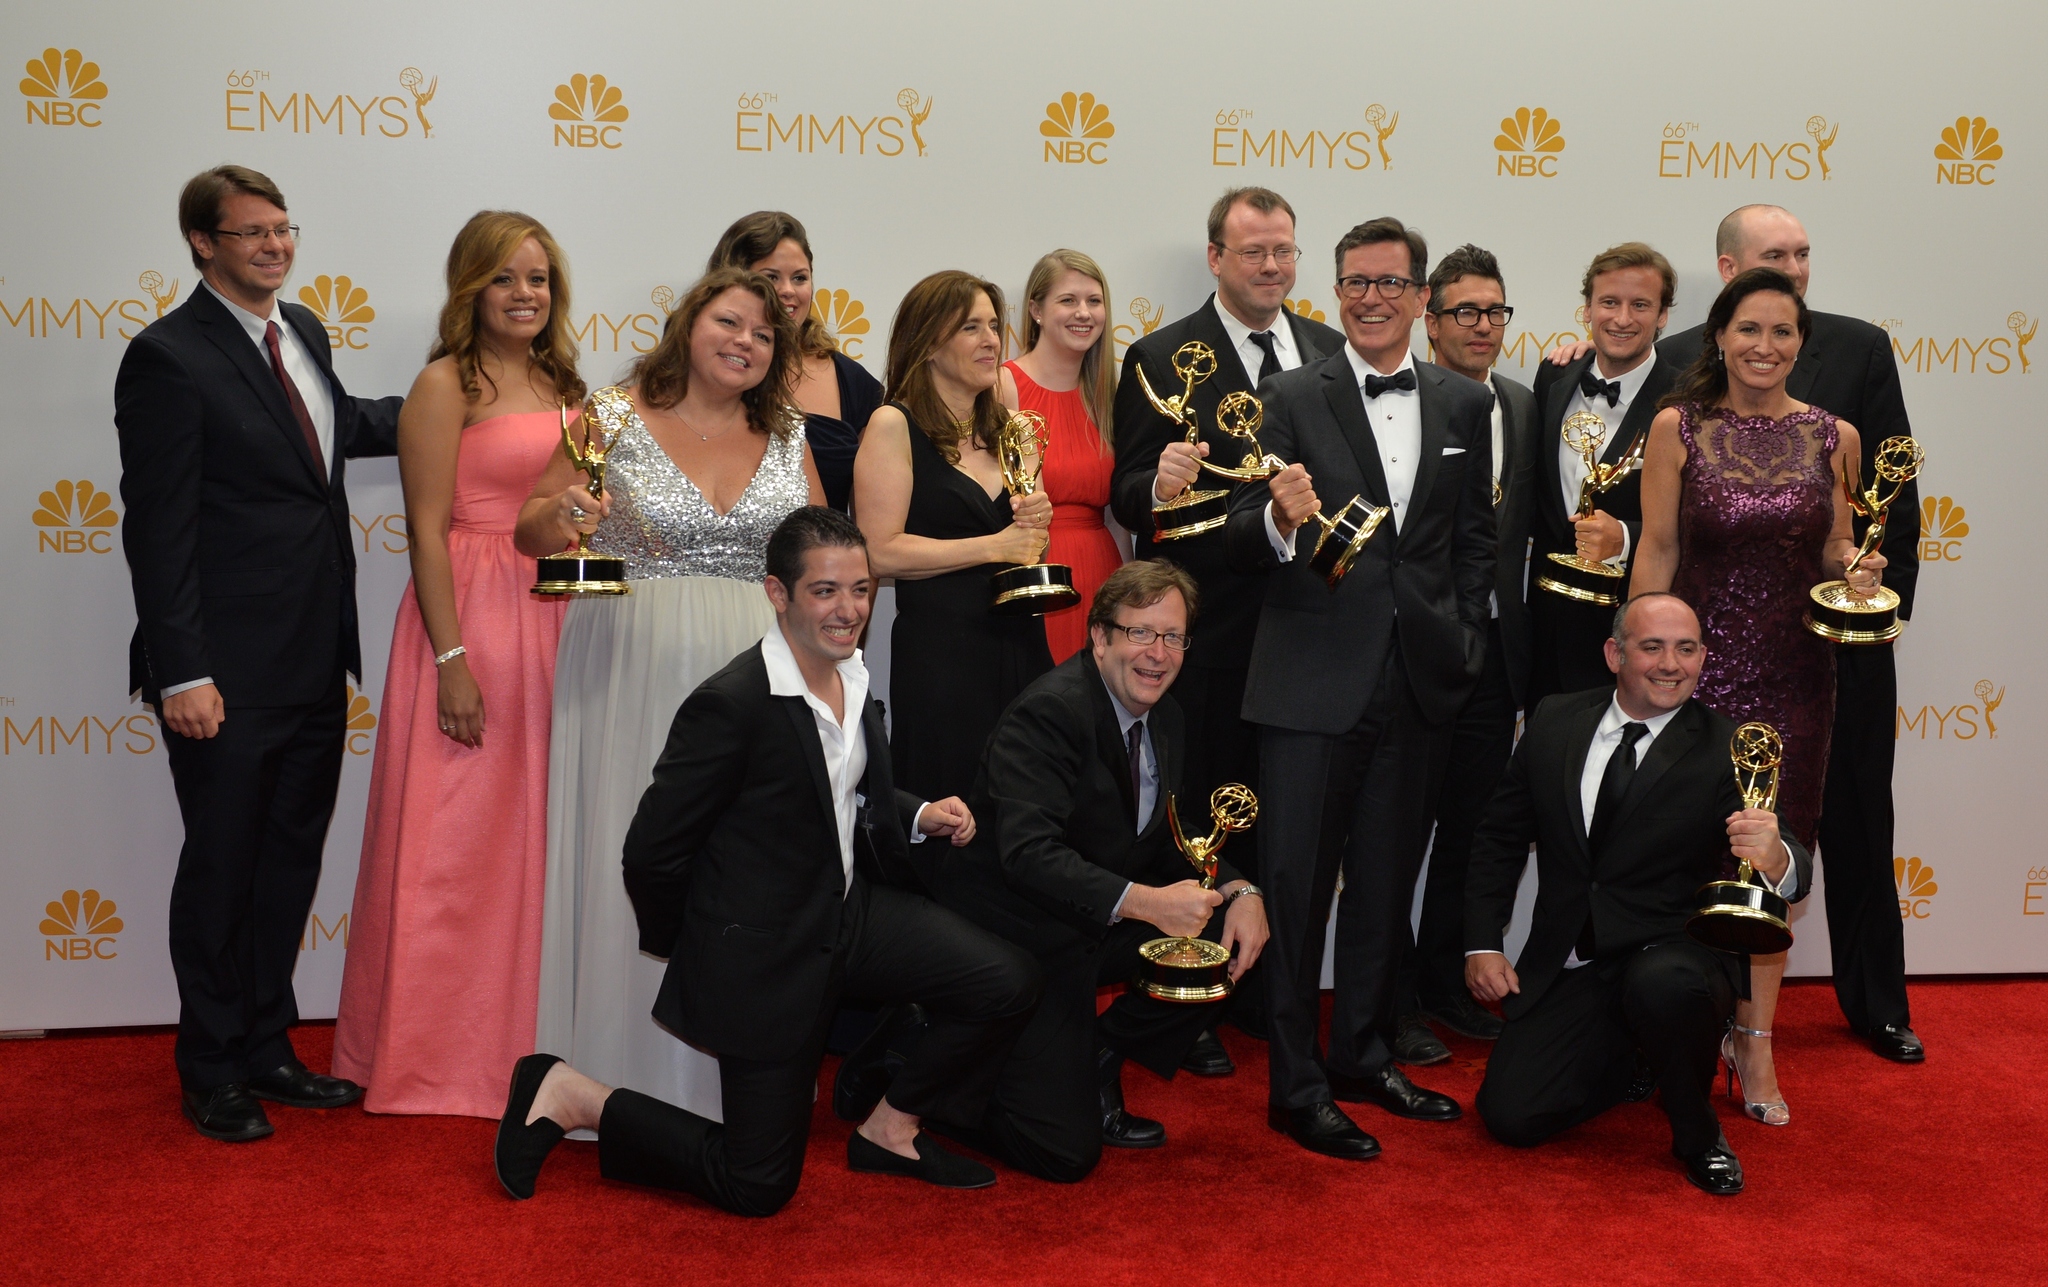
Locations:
(1067, 376)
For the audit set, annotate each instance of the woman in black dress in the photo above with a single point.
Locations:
(928, 492)
(835, 393)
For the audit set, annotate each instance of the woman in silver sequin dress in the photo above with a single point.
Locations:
(712, 460)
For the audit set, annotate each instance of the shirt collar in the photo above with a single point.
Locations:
(257, 327)
(1611, 722)
(1631, 382)
(1283, 337)
(1124, 719)
(1360, 368)
(786, 680)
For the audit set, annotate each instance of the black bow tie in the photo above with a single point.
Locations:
(1375, 385)
(1593, 387)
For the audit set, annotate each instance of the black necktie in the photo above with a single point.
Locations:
(1136, 742)
(1375, 385)
(1271, 365)
(1594, 387)
(1620, 771)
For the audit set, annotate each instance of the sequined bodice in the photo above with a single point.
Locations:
(664, 527)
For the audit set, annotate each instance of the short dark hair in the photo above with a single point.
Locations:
(1621, 613)
(1629, 254)
(1386, 228)
(199, 204)
(1263, 200)
(805, 530)
(1467, 260)
(1140, 584)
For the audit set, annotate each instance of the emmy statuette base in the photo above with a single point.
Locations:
(1184, 969)
(1190, 514)
(1343, 537)
(1737, 916)
(1584, 580)
(1836, 614)
(1032, 590)
(580, 572)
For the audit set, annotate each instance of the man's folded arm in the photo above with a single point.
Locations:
(700, 770)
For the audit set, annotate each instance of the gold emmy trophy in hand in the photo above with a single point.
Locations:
(1197, 969)
(579, 571)
(1029, 589)
(1741, 915)
(1192, 512)
(1585, 579)
(1835, 611)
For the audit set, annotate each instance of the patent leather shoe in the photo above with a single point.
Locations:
(865, 1073)
(1416, 1045)
(1122, 1128)
(226, 1113)
(1391, 1090)
(1713, 1169)
(1464, 1016)
(296, 1086)
(1897, 1042)
(1323, 1128)
(521, 1147)
(1207, 1057)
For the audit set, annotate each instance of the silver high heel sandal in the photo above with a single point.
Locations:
(1772, 1113)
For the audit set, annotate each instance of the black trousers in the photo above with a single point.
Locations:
(1865, 935)
(893, 946)
(1351, 803)
(1572, 1055)
(1222, 747)
(1480, 743)
(1567, 641)
(256, 799)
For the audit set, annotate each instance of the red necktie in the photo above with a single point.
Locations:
(291, 394)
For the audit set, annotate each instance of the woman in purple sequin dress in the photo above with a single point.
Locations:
(1743, 514)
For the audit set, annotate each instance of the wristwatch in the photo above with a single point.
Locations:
(1241, 891)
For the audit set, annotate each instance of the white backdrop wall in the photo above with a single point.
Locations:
(919, 136)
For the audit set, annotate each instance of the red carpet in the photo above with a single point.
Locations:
(1887, 1174)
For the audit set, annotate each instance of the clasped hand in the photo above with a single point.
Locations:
(1294, 498)
(1868, 576)
(574, 501)
(1599, 536)
(1753, 836)
(1180, 464)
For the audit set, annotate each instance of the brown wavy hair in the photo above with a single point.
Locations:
(1098, 368)
(483, 246)
(925, 321)
(1705, 382)
(663, 373)
(751, 239)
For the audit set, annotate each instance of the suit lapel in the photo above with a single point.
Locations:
(1640, 412)
(315, 340)
(1305, 340)
(1550, 483)
(1579, 742)
(1230, 375)
(1671, 745)
(799, 712)
(1340, 390)
(1436, 422)
(1109, 743)
(1510, 432)
(224, 331)
(1805, 374)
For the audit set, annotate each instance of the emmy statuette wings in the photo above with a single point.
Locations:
(1741, 915)
(1835, 612)
(1193, 512)
(1196, 969)
(1587, 580)
(579, 571)
(1028, 589)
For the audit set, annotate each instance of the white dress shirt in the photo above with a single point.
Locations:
(1396, 419)
(1248, 350)
(1148, 780)
(1571, 466)
(1499, 445)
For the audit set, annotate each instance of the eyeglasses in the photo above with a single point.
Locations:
(1391, 288)
(1469, 314)
(287, 233)
(1254, 256)
(1144, 635)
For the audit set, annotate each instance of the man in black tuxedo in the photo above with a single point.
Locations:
(1355, 688)
(1468, 313)
(770, 864)
(1077, 863)
(1628, 794)
(1628, 291)
(1847, 366)
(235, 433)
(1253, 257)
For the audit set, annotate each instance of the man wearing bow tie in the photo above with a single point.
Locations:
(1355, 687)
(1628, 291)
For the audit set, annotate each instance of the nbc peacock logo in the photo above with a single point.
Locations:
(1917, 889)
(844, 318)
(343, 307)
(362, 722)
(80, 926)
(1942, 529)
(75, 518)
(62, 88)
(1968, 153)
(1077, 130)
(1528, 144)
(1304, 307)
(588, 111)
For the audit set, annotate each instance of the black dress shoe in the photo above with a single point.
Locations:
(296, 1086)
(1207, 1057)
(1416, 1045)
(1464, 1016)
(1897, 1043)
(1121, 1128)
(1642, 1085)
(867, 1070)
(1714, 1169)
(521, 1148)
(933, 1164)
(1323, 1128)
(226, 1113)
(1394, 1092)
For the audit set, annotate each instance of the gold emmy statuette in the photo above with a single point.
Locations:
(1834, 612)
(579, 571)
(1240, 415)
(1192, 512)
(1342, 537)
(1197, 969)
(1029, 589)
(1740, 915)
(1569, 575)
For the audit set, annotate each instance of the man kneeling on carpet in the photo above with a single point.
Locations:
(770, 863)
(1078, 864)
(1630, 798)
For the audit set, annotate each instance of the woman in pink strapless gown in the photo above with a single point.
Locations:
(439, 994)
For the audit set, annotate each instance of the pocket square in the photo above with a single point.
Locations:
(1454, 451)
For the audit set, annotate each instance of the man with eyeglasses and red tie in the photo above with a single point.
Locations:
(234, 433)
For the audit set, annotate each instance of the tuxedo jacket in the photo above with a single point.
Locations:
(1847, 366)
(1057, 843)
(1514, 517)
(1230, 598)
(1319, 653)
(733, 866)
(1555, 385)
(241, 553)
(1669, 838)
